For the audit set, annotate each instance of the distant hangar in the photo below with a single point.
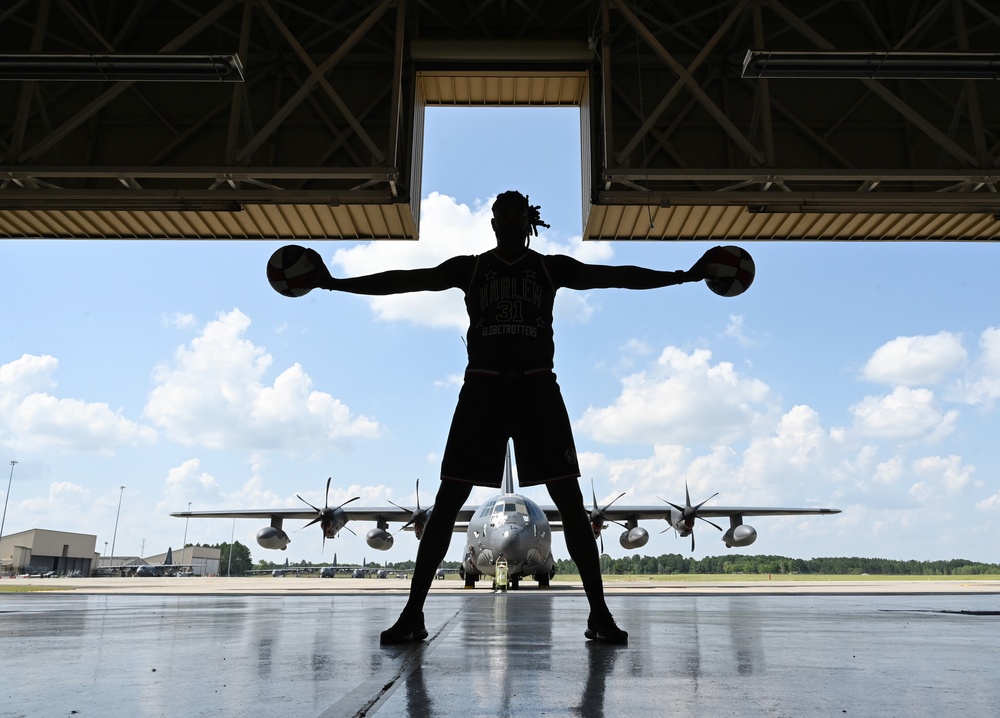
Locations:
(64, 553)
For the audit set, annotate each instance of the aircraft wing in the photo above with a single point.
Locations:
(331, 520)
(739, 534)
(647, 511)
(622, 513)
(358, 514)
(363, 513)
(306, 514)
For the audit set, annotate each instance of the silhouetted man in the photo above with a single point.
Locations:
(510, 392)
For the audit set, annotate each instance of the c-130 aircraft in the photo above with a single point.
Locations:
(509, 526)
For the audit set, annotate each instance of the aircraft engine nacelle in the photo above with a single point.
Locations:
(379, 539)
(741, 535)
(272, 538)
(635, 537)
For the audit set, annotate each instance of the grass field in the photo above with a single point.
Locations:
(756, 578)
(4, 588)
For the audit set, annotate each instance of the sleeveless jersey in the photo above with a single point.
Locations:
(510, 313)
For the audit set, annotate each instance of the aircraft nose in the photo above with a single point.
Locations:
(509, 540)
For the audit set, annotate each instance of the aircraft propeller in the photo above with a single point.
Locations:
(327, 516)
(597, 516)
(689, 513)
(418, 516)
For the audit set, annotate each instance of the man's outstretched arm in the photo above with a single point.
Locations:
(395, 281)
(599, 276)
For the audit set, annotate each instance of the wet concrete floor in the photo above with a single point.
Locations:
(514, 654)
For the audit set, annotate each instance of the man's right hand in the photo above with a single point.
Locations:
(697, 272)
(324, 279)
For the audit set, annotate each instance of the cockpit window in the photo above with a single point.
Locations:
(502, 509)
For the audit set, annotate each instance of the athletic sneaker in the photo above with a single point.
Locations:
(404, 630)
(604, 630)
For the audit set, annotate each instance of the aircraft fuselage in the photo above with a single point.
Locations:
(512, 527)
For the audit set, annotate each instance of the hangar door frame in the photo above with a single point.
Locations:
(489, 89)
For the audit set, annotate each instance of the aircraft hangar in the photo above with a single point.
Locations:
(733, 120)
(39, 551)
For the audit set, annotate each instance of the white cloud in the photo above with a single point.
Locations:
(28, 375)
(904, 414)
(990, 503)
(213, 395)
(682, 398)
(948, 472)
(889, 472)
(188, 481)
(736, 329)
(916, 361)
(33, 419)
(796, 448)
(637, 347)
(981, 385)
(449, 229)
(661, 474)
(179, 320)
(63, 496)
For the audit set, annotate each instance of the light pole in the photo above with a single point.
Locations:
(232, 540)
(185, 541)
(114, 536)
(4, 519)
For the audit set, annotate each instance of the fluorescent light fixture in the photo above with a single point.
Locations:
(13, 202)
(119, 67)
(872, 65)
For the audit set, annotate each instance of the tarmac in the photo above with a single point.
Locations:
(299, 646)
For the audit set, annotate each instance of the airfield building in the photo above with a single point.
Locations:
(41, 551)
(203, 560)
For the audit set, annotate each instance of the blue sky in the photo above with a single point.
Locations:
(858, 376)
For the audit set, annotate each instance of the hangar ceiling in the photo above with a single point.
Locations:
(320, 135)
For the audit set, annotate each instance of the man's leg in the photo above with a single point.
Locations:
(582, 548)
(431, 551)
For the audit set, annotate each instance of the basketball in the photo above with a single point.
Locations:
(293, 270)
(730, 270)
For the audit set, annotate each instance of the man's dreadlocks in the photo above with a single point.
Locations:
(513, 202)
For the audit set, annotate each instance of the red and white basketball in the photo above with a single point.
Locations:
(730, 270)
(293, 270)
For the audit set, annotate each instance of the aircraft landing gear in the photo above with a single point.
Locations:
(500, 577)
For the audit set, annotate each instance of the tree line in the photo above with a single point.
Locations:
(674, 563)
(756, 564)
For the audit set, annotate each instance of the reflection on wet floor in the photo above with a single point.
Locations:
(514, 654)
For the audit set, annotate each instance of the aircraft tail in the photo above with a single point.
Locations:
(169, 560)
(508, 474)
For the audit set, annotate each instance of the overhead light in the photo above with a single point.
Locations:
(14, 202)
(872, 65)
(846, 206)
(118, 67)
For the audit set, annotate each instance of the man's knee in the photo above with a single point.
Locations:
(565, 492)
(452, 494)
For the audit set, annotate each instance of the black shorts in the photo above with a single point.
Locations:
(527, 409)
